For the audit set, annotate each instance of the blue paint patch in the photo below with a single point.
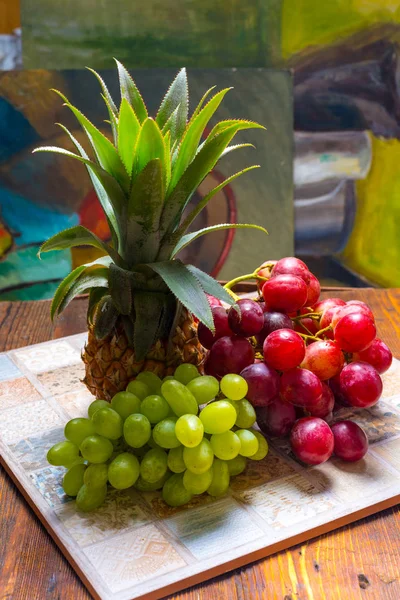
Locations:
(16, 133)
(8, 370)
(24, 267)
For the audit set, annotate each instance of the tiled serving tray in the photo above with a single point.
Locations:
(135, 546)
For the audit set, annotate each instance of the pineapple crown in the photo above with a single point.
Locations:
(144, 180)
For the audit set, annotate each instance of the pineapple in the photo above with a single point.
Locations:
(142, 298)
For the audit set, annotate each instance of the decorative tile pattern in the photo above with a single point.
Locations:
(49, 483)
(211, 530)
(17, 391)
(287, 501)
(31, 452)
(134, 557)
(63, 380)
(393, 401)
(391, 380)
(8, 370)
(76, 403)
(379, 422)
(24, 421)
(258, 472)
(44, 357)
(119, 513)
(158, 507)
(390, 452)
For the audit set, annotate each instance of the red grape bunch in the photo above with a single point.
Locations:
(303, 358)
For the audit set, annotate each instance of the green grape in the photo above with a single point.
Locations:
(155, 408)
(154, 465)
(152, 444)
(218, 416)
(63, 454)
(220, 480)
(145, 486)
(176, 463)
(108, 423)
(139, 389)
(96, 449)
(234, 386)
(189, 430)
(164, 433)
(174, 492)
(179, 398)
(89, 498)
(197, 484)
(78, 461)
(137, 430)
(96, 475)
(168, 378)
(225, 445)
(186, 372)
(204, 388)
(262, 447)
(125, 404)
(200, 458)
(246, 414)
(151, 380)
(95, 405)
(140, 452)
(73, 479)
(234, 403)
(123, 471)
(248, 441)
(77, 429)
(236, 465)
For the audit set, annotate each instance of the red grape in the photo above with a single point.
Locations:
(311, 324)
(206, 336)
(334, 384)
(292, 266)
(350, 309)
(327, 316)
(229, 354)
(361, 306)
(323, 358)
(263, 383)
(354, 332)
(265, 271)
(283, 349)
(325, 405)
(377, 354)
(360, 384)
(323, 305)
(213, 301)
(276, 419)
(285, 293)
(272, 322)
(313, 291)
(311, 440)
(350, 441)
(249, 320)
(301, 388)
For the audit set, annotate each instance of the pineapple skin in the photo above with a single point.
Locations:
(110, 364)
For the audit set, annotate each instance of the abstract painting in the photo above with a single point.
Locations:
(43, 193)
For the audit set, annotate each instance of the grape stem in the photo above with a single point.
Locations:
(247, 277)
(311, 315)
(316, 337)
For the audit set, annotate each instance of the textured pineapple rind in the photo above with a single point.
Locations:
(110, 364)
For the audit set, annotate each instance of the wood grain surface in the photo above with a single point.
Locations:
(9, 15)
(354, 562)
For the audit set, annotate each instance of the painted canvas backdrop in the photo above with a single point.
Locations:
(43, 193)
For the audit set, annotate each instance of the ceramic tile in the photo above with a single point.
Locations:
(45, 357)
(64, 380)
(76, 402)
(209, 530)
(258, 472)
(49, 483)
(31, 452)
(17, 391)
(8, 370)
(353, 482)
(393, 401)
(26, 420)
(391, 380)
(133, 557)
(119, 513)
(157, 506)
(390, 451)
(379, 422)
(287, 501)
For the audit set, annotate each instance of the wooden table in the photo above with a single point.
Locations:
(358, 561)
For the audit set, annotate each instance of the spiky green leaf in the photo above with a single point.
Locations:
(148, 311)
(191, 237)
(190, 142)
(131, 93)
(113, 121)
(187, 289)
(149, 145)
(95, 295)
(241, 123)
(119, 283)
(109, 102)
(143, 215)
(210, 285)
(105, 318)
(201, 103)
(171, 127)
(175, 100)
(128, 131)
(129, 328)
(78, 236)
